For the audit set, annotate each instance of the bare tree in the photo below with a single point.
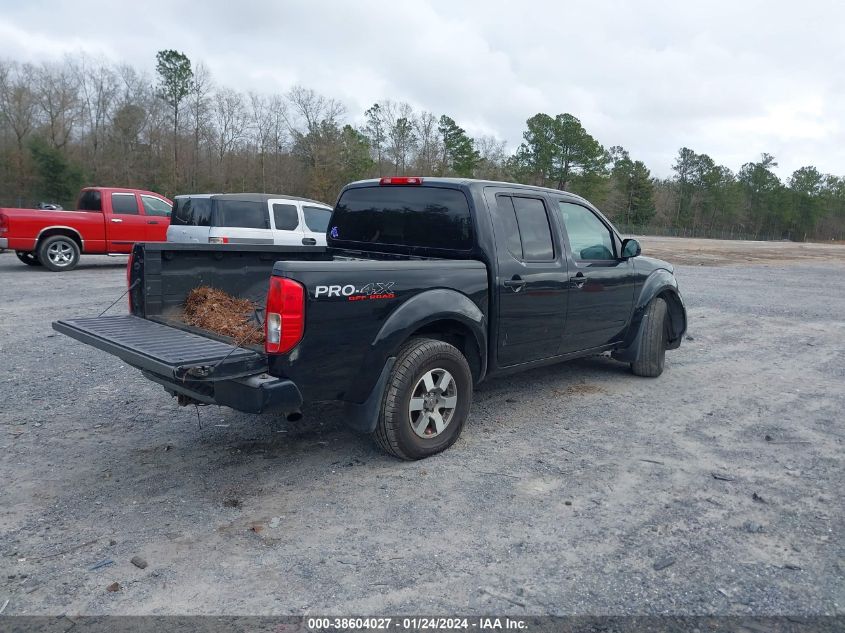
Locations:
(199, 109)
(401, 139)
(309, 109)
(98, 86)
(428, 150)
(232, 121)
(57, 91)
(19, 107)
(492, 158)
(261, 119)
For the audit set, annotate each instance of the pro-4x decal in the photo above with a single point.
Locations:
(372, 290)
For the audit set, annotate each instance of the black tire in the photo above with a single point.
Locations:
(420, 358)
(59, 253)
(28, 257)
(652, 352)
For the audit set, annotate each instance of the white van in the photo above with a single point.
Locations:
(248, 218)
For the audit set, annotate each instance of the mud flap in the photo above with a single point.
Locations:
(364, 417)
(629, 354)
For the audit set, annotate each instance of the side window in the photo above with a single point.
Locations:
(181, 211)
(90, 201)
(534, 230)
(124, 204)
(317, 218)
(199, 211)
(155, 206)
(285, 217)
(589, 238)
(242, 214)
(508, 216)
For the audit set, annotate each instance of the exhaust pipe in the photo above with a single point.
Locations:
(294, 416)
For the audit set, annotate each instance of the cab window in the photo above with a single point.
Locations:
(124, 204)
(241, 214)
(285, 217)
(189, 211)
(317, 218)
(155, 206)
(529, 236)
(589, 237)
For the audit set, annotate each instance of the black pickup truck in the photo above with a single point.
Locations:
(427, 287)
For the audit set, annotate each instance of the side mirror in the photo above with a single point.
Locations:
(630, 248)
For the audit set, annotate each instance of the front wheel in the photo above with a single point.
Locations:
(652, 352)
(59, 253)
(28, 257)
(426, 401)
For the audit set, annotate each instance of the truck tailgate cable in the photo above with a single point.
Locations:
(237, 344)
(207, 371)
(131, 286)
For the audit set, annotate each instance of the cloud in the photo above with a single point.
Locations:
(731, 79)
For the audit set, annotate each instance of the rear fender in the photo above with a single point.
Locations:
(426, 308)
(418, 312)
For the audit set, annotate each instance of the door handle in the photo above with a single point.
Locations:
(578, 280)
(117, 220)
(152, 221)
(515, 283)
(309, 241)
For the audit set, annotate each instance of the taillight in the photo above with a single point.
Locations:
(129, 276)
(401, 180)
(284, 323)
(218, 240)
(4, 224)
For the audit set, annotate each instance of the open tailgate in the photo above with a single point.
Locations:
(162, 349)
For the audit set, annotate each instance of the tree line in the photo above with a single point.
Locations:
(84, 121)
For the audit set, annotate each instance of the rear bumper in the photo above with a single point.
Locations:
(4, 242)
(253, 394)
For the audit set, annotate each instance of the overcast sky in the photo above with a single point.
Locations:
(731, 79)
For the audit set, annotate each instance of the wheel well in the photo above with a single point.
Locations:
(676, 314)
(457, 334)
(58, 231)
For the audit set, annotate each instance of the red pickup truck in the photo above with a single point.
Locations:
(106, 221)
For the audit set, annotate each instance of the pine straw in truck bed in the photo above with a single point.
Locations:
(219, 312)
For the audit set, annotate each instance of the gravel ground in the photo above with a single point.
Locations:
(576, 489)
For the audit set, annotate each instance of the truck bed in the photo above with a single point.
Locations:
(167, 272)
(153, 336)
(186, 361)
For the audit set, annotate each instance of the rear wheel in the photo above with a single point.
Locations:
(426, 401)
(59, 253)
(28, 257)
(652, 352)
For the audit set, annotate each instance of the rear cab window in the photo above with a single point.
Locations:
(398, 218)
(90, 200)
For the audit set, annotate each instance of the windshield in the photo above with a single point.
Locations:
(427, 217)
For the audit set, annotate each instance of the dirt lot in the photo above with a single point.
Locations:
(578, 489)
(701, 252)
